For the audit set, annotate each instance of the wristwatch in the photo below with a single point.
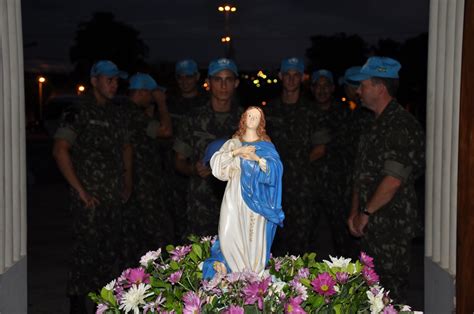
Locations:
(365, 211)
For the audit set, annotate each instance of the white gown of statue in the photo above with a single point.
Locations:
(241, 231)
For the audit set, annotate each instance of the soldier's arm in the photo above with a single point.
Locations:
(384, 193)
(354, 211)
(165, 129)
(61, 153)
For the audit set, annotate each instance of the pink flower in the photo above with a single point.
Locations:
(101, 308)
(192, 303)
(294, 306)
(299, 289)
(137, 276)
(254, 292)
(155, 305)
(180, 252)
(370, 275)
(234, 309)
(324, 284)
(389, 310)
(366, 260)
(342, 277)
(175, 277)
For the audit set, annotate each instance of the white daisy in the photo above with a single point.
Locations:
(110, 286)
(376, 301)
(149, 256)
(134, 297)
(340, 262)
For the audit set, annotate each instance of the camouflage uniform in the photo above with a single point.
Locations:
(290, 129)
(204, 196)
(96, 135)
(393, 146)
(330, 173)
(179, 108)
(147, 223)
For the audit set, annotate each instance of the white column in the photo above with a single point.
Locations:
(443, 96)
(12, 137)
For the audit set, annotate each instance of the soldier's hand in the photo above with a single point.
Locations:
(317, 152)
(350, 224)
(202, 170)
(360, 223)
(88, 200)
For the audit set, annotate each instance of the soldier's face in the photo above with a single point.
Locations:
(369, 93)
(252, 119)
(105, 87)
(291, 80)
(323, 90)
(187, 83)
(223, 84)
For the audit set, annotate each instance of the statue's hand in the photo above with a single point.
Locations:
(220, 268)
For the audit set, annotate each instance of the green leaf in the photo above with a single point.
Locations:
(337, 309)
(169, 248)
(108, 296)
(193, 257)
(197, 250)
(174, 265)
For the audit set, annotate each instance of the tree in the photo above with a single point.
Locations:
(105, 38)
(337, 52)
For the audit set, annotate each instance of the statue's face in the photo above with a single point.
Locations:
(253, 117)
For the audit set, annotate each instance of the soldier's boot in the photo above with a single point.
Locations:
(77, 304)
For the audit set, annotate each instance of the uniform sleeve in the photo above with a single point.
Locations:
(401, 151)
(182, 142)
(72, 123)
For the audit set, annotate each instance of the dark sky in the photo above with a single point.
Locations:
(264, 30)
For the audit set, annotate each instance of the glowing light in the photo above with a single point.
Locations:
(41, 79)
(225, 39)
(275, 81)
(258, 85)
(221, 9)
(256, 81)
(261, 74)
(264, 103)
(227, 8)
(81, 88)
(269, 81)
(233, 9)
(343, 99)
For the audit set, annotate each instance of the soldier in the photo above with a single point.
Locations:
(289, 124)
(330, 162)
(189, 97)
(390, 157)
(217, 120)
(91, 149)
(147, 223)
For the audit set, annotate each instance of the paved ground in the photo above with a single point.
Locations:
(49, 240)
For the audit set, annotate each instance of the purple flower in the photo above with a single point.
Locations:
(342, 277)
(101, 308)
(192, 303)
(255, 291)
(366, 260)
(302, 273)
(278, 264)
(155, 305)
(370, 275)
(300, 289)
(137, 276)
(180, 252)
(234, 309)
(389, 310)
(294, 306)
(175, 277)
(324, 284)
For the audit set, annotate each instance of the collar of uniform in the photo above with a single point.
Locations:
(391, 107)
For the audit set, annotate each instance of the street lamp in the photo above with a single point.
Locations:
(225, 39)
(226, 8)
(80, 89)
(41, 81)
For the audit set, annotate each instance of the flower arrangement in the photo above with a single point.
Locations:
(171, 282)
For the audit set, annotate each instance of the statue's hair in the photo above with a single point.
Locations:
(261, 132)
